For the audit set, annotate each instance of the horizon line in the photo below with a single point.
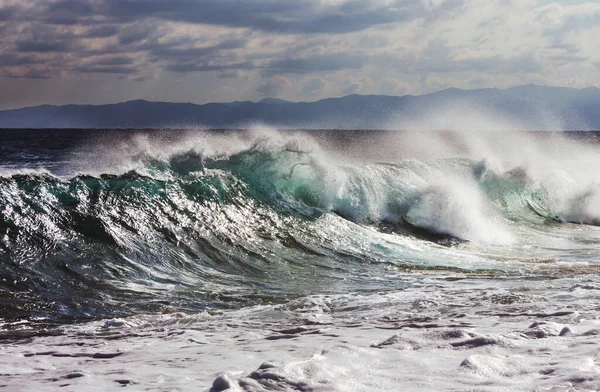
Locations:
(298, 102)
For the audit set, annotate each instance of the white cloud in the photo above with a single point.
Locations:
(273, 86)
(356, 86)
(314, 86)
(394, 87)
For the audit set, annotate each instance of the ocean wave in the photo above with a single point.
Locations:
(196, 228)
(457, 197)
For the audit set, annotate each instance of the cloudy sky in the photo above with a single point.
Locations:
(103, 51)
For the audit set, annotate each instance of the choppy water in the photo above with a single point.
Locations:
(98, 224)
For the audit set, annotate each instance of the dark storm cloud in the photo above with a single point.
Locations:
(7, 13)
(138, 25)
(68, 12)
(71, 7)
(101, 32)
(43, 46)
(13, 59)
(219, 12)
(301, 16)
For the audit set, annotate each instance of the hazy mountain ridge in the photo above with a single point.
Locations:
(522, 107)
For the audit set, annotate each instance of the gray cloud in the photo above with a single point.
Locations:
(122, 70)
(273, 86)
(229, 74)
(37, 74)
(439, 58)
(327, 47)
(200, 59)
(143, 78)
(566, 59)
(7, 13)
(43, 46)
(66, 12)
(447, 9)
(71, 7)
(317, 63)
(199, 67)
(101, 31)
(14, 59)
(301, 16)
(136, 24)
(168, 51)
(582, 17)
(136, 33)
(565, 46)
(117, 60)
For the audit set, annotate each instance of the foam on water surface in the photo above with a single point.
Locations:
(453, 334)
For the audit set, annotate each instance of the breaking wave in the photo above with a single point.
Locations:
(198, 229)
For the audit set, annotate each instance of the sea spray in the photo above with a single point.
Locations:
(457, 208)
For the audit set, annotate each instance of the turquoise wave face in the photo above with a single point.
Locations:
(190, 232)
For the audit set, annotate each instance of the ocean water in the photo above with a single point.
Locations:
(299, 260)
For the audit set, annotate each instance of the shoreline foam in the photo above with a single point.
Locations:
(468, 334)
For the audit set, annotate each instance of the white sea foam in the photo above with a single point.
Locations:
(467, 334)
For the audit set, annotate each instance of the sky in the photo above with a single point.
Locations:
(106, 51)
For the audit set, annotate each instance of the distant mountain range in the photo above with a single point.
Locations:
(528, 107)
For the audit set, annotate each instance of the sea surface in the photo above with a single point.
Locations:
(434, 259)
